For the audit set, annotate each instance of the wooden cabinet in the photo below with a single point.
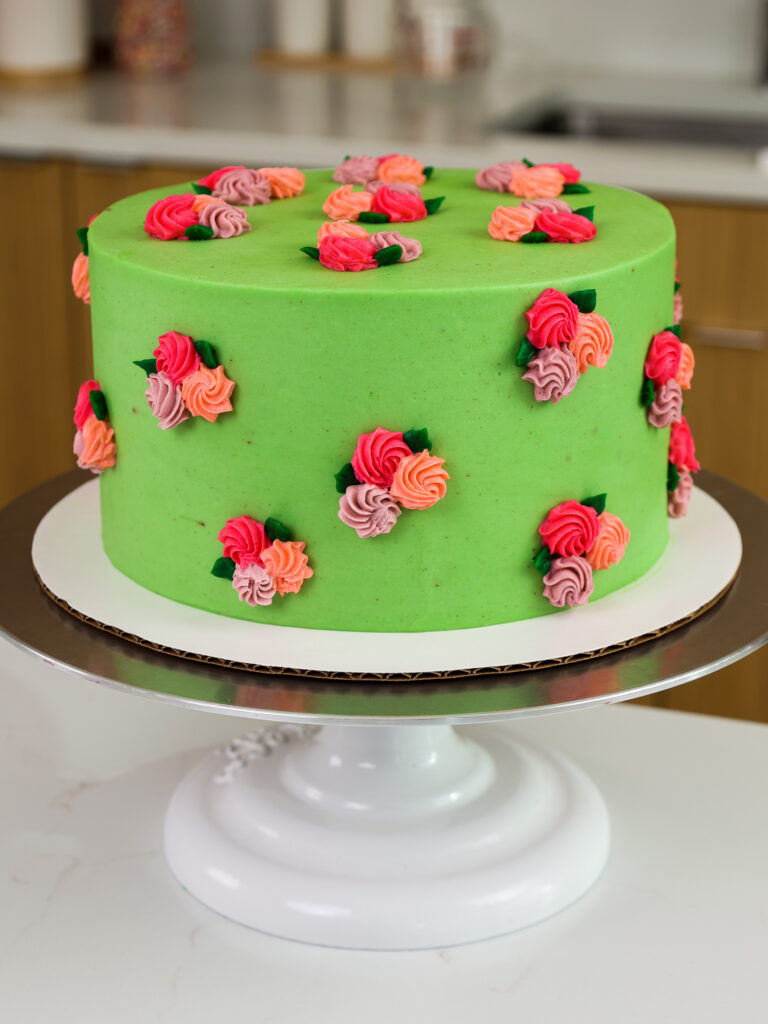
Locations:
(723, 252)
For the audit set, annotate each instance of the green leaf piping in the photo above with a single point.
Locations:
(372, 217)
(673, 476)
(586, 299)
(82, 235)
(198, 233)
(542, 561)
(586, 211)
(147, 365)
(434, 204)
(597, 502)
(202, 190)
(345, 478)
(574, 188)
(207, 353)
(223, 568)
(428, 172)
(275, 530)
(392, 253)
(417, 440)
(312, 251)
(647, 393)
(525, 353)
(98, 404)
(534, 237)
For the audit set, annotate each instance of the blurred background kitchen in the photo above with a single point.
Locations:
(102, 99)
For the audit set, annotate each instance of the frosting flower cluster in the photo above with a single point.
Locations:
(579, 538)
(245, 186)
(185, 379)
(680, 468)
(346, 246)
(261, 560)
(395, 167)
(94, 443)
(389, 471)
(530, 181)
(81, 282)
(542, 220)
(196, 216)
(380, 203)
(565, 337)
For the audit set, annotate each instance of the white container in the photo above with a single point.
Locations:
(368, 28)
(41, 37)
(302, 27)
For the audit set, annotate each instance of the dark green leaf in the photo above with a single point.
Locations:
(674, 329)
(673, 476)
(525, 353)
(586, 211)
(82, 234)
(345, 478)
(312, 251)
(574, 189)
(543, 561)
(371, 217)
(597, 502)
(224, 568)
(391, 254)
(98, 404)
(434, 204)
(202, 190)
(276, 531)
(677, 287)
(207, 353)
(147, 365)
(647, 393)
(347, 157)
(586, 299)
(198, 233)
(535, 236)
(417, 440)
(528, 163)
(428, 172)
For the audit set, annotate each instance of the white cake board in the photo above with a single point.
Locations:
(701, 560)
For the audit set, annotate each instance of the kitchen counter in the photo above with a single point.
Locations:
(93, 928)
(237, 113)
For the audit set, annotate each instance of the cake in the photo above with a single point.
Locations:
(483, 429)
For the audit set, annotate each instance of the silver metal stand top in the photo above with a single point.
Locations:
(735, 627)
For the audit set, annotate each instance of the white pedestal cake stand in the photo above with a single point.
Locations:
(405, 832)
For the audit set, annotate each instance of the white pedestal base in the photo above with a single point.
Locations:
(404, 837)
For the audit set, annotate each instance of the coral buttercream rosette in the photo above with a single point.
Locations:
(94, 443)
(389, 471)
(185, 378)
(345, 246)
(543, 220)
(527, 180)
(195, 217)
(564, 338)
(261, 560)
(394, 167)
(380, 203)
(579, 538)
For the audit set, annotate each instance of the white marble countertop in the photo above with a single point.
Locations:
(93, 929)
(237, 113)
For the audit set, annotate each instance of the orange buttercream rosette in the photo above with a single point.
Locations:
(207, 392)
(592, 344)
(341, 228)
(610, 543)
(287, 564)
(401, 168)
(98, 444)
(285, 182)
(345, 204)
(543, 182)
(684, 373)
(419, 481)
(510, 223)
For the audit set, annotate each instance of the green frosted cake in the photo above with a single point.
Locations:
(412, 448)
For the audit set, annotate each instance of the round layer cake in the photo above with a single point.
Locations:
(319, 358)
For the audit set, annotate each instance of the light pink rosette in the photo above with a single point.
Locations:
(667, 405)
(83, 402)
(377, 456)
(663, 359)
(170, 217)
(368, 509)
(678, 500)
(552, 205)
(569, 529)
(682, 450)
(497, 177)
(569, 582)
(254, 585)
(243, 186)
(565, 227)
(165, 401)
(553, 373)
(395, 186)
(210, 180)
(81, 284)
(411, 246)
(224, 220)
(352, 254)
(244, 538)
(176, 356)
(552, 319)
(356, 170)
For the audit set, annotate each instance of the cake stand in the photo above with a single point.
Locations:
(359, 816)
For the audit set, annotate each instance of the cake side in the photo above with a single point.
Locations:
(319, 358)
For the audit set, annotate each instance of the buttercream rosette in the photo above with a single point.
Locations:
(579, 538)
(394, 167)
(668, 371)
(346, 246)
(527, 180)
(261, 560)
(80, 277)
(94, 444)
(196, 217)
(185, 378)
(384, 203)
(564, 338)
(389, 471)
(543, 220)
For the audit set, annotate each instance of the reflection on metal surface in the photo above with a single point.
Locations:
(735, 627)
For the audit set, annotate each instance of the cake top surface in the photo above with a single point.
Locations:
(458, 253)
